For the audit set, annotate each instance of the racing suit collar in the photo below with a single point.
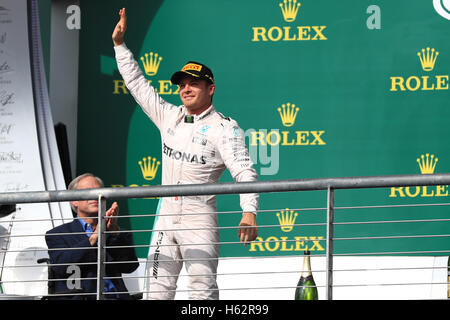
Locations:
(197, 117)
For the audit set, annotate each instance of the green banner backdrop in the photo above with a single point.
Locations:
(321, 89)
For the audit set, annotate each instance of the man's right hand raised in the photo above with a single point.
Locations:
(119, 30)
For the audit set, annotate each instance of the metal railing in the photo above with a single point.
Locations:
(327, 184)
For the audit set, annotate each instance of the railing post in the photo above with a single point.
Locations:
(329, 244)
(101, 251)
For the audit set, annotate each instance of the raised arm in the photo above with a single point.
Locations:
(121, 27)
(141, 90)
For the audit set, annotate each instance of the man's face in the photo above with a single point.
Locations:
(87, 208)
(196, 94)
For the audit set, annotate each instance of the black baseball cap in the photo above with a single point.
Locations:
(193, 69)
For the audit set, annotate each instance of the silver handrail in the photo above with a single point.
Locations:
(227, 188)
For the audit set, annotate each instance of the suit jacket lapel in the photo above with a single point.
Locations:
(76, 227)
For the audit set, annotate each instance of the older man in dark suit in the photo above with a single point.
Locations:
(74, 259)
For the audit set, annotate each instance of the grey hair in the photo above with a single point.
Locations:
(73, 185)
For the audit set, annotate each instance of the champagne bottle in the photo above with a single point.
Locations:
(306, 287)
(448, 278)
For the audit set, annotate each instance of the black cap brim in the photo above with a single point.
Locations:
(180, 75)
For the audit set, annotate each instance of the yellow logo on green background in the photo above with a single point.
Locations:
(149, 167)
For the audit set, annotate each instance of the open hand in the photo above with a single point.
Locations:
(94, 236)
(111, 223)
(119, 30)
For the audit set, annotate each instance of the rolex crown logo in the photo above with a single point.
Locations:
(288, 113)
(149, 167)
(289, 8)
(287, 219)
(427, 58)
(427, 163)
(151, 63)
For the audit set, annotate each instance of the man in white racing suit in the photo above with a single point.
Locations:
(198, 144)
